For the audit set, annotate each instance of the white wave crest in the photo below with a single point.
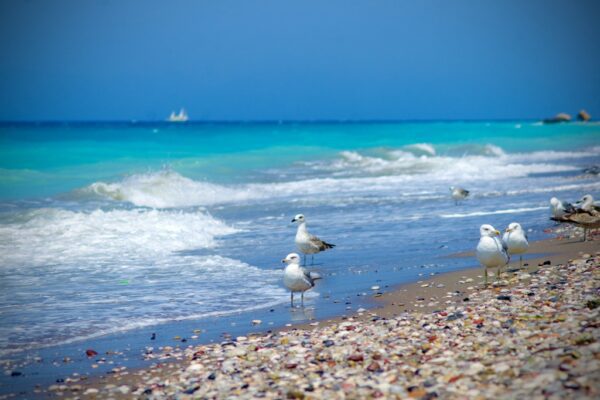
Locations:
(63, 236)
(167, 189)
(495, 212)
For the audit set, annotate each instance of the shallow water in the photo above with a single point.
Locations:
(111, 231)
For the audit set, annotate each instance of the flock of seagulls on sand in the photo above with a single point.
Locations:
(493, 250)
(586, 215)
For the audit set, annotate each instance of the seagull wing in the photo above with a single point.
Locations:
(320, 244)
(568, 207)
(310, 277)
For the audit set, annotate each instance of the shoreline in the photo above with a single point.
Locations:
(433, 295)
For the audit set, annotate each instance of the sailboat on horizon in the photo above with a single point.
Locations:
(181, 117)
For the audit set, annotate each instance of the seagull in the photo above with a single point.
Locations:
(307, 243)
(587, 204)
(516, 240)
(296, 278)
(583, 220)
(491, 251)
(560, 208)
(586, 216)
(458, 193)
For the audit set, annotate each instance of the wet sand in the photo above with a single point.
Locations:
(179, 369)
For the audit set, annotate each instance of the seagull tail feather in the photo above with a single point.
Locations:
(328, 246)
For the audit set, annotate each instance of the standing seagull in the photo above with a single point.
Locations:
(296, 278)
(458, 193)
(491, 251)
(560, 208)
(516, 241)
(307, 243)
(586, 216)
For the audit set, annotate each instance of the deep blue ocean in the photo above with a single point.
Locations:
(110, 232)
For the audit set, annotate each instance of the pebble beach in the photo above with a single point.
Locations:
(533, 333)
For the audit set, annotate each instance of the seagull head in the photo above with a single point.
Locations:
(452, 188)
(488, 230)
(514, 226)
(555, 202)
(586, 201)
(292, 258)
(298, 218)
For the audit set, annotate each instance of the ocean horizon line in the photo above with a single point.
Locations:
(262, 121)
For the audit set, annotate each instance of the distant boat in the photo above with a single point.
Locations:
(181, 117)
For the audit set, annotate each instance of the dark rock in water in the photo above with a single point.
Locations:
(503, 297)
(583, 116)
(91, 353)
(16, 373)
(593, 170)
(153, 337)
(560, 117)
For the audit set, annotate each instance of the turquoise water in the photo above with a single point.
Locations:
(110, 232)
(43, 160)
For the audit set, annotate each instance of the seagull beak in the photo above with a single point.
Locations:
(294, 220)
(283, 261)
(507, 230)
(497, 233)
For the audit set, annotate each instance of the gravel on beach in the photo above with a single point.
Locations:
(536, 335)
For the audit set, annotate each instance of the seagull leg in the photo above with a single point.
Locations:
(486, 278)
(520, 261)
(292, 298)
(312, 259)
(302, 299)
(304, 264)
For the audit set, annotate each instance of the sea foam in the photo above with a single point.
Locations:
(352, 173)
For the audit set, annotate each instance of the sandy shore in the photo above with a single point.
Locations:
(535, 333)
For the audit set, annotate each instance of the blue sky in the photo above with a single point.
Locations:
(257, 60)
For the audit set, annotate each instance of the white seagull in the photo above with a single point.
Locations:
(458, 194)
(560, 208)
(296, 278)
(587, 204)
(307, 243)
(491, 251)
(516, 241)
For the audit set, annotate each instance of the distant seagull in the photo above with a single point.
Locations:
(587, 204)
(458, 194)
(560, 208)
(583, 220)
(296, 278)
(491, 251)
(516, 241)
(586, 216)
(307, 243)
